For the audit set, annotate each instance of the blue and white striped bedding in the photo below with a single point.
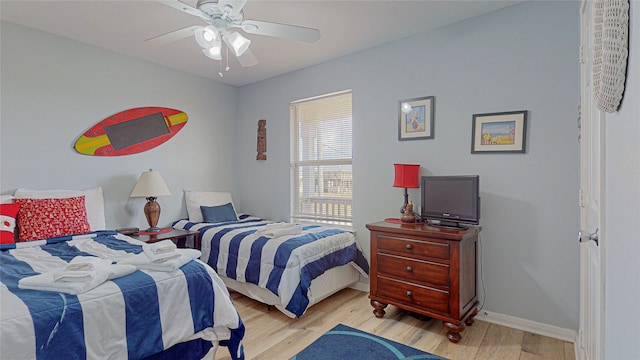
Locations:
(284, 265)
(131, 317)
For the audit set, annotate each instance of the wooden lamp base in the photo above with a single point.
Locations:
(152, 213)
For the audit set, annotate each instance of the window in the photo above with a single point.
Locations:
(321, 156)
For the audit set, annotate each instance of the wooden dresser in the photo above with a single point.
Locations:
(426, 270)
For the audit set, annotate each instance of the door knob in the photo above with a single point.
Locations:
(585, 236)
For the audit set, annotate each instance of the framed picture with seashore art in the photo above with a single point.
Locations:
(503, 132)
(416, 118)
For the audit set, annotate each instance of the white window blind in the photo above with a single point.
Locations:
(321, 156)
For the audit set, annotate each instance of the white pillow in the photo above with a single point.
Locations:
(6, 199)
(195, 199)
(93, 200)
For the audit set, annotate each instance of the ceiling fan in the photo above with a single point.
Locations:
(223, 18)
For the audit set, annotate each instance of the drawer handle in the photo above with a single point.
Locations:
(409, 268)
(409, 293)
(409, 247)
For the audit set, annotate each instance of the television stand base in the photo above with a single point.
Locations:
(448, 225)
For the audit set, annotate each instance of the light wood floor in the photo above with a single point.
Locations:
(271, 335)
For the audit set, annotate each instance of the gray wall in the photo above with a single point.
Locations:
(54, 89)
(521, 58)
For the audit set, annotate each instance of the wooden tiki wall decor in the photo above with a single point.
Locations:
(262, 140)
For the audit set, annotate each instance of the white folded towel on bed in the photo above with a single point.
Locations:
(45, 281)
(80, 268)
(93, 248)
(293, 230)
(74, 276)
(160, 251)
(117, 270)
(275, 226)
(143, 262)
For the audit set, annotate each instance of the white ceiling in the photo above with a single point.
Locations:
(345, 26)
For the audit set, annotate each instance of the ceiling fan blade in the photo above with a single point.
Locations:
(170, 37)
(185, 8)
(236, 5)
(280, 30)
(247, 59)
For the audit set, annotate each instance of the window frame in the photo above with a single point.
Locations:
(296, 164)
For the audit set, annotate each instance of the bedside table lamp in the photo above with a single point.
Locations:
(150, 186)
(406, 177)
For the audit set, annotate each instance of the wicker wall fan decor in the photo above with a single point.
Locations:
(611, 49)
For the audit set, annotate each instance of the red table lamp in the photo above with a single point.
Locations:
(407, 176)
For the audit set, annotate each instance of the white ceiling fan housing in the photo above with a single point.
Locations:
(223, 16)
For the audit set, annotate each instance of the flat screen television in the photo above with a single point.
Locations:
(451, 201)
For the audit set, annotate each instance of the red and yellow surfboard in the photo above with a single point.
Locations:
(131, 131)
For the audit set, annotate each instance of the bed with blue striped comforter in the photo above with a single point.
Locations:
(145, 313)
(284, 265)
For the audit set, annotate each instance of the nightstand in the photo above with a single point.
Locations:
(176, 235)
(426, 270)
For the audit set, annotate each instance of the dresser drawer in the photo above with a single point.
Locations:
(413, 247)
(413, 294)
(413, 269)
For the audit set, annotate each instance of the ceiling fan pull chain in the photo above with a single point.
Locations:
(220, 72)
(227, 68)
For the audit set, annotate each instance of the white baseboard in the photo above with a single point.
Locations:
(551, 331)
(528, 325)
(360, 286)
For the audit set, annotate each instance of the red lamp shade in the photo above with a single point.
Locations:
(407, 176)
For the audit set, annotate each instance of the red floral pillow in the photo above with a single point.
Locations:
(47, 218)
(8, 214)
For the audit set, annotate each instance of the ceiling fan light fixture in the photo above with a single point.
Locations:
(237, 42)
(206, 37)
(214, 53)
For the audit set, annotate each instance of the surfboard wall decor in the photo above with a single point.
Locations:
(131, 131)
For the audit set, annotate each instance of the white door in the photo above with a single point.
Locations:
(592, 234)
